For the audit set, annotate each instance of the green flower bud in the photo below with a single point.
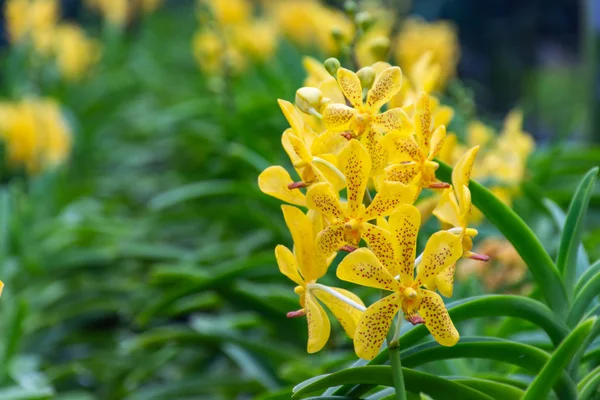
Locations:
(350, 7)
(332, 65)
(364, 19)
(380, 47)
(366, 76)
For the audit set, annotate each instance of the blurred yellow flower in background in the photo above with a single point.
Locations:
(32, 20)
(418, 37)
(75, 53)
(502, 164)
(229, 12)
(120, 12)
(230, 34)
(309, 23)
(35, 134)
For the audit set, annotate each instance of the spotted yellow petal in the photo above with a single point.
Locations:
(274, 181)
(462, 170)
(319, 327)
(300, 226)
(331, 90)
(322, 197)
(437, 142)
(355, 164)
(380, 242)
(338, 117)
(347, 315)
(300, 148)
(363, 268)
(378, 154)
(404, 225)
(330, 239)
(447, 209)
(445, 281)
(374, 325)
(464, 204)
(394, 120)
(401, 148)
(404, 172)
(288, 265)
(391, 195)
(423, 121)
(442, 250)
(350, 86)
(329, 142)
(443, 116)
(386, 85)
(292, 115)
(437, 319)
(289, 147)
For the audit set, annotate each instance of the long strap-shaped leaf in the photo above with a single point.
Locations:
(522, 238)
(584, 298)
(495, 389)
(570, 239)
(525, 356)
(589, 384)
(416, 382)
(486, 306)
(553, 370)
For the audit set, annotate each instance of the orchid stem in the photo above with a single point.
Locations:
(394, 352)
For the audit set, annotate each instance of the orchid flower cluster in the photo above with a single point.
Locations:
(362, 162)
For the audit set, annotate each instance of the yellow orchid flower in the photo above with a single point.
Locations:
(306, 150)
(304, 266)
(454, 209)
(349, 221)
(316, 72)
(418, 304)
(363, 120)
(412, 156)
(418, 37)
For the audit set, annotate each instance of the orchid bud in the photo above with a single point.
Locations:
(308, 99)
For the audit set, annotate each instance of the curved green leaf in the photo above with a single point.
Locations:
(552, 371)
(586, 295)
(570, 239)
(192, 191)
(559, 216)
(494, 389)
(586, 276)
(522, 238)
(482, 307)
(522, 355)
(416, 382)
(589, 384)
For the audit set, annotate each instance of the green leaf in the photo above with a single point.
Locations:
(486, 306)
(584, 298)
(192, 191)
(586, 276)
(522, 355)
(522, 238)
(416, 382)
(18, 393)
(570, 240)
(588, 385)
(552, 371)
(250, 365)
(559, 216)
(494, 389)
